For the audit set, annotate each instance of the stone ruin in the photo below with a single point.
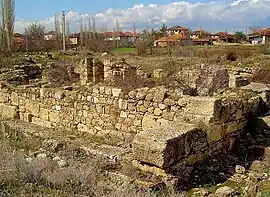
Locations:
(157, 130)
(94, 71)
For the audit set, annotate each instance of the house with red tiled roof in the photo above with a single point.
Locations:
(222, 37)
(179, 30)
(260, 37)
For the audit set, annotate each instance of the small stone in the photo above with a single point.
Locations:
(62, 163)
(29, 159)
(240, 169)
(123, 114)
(69, 88)
(132, 94)
(141, 95)
(225, 192)
(158, 112)
(116, 92)
(59, 95)
(162, 106)
(57, 158)
(41, 156)
(58, 107)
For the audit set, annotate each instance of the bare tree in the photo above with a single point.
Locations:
(57, 32)
(2, 28)
(254, 29)
(36, 32)
(8, 17)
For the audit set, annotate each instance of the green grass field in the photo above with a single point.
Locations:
(124, 50)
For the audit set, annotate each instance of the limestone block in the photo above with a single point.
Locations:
(215, 132)
(14, 98)
(44, 114)
(116, 92)
(27, 117)
(123, 114)
(108, 91)
(32, 107)
(40, 122)
(123, 104)
(166, 146)
(7, 111)
(59, 95)
(132, 94)
(141, 108)
(159, 94)
(54, 116)
(3, 97)
(158, 112)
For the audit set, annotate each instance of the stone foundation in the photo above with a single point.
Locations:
(163, 127)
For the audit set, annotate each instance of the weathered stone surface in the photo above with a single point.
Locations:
(14, 98)
(40, 122)
(159, 94)
(116, 92)
(27, 117)
(225, 192)
(240, 169)
(32, 107)
(44, 114)
(54, 116)
(165, 146)
(7, 111)
(3, 97)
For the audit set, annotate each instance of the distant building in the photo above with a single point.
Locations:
(222, 37)
(200, 34)
(260, 37)
(50, 35)
(179, 30)
(123, 38)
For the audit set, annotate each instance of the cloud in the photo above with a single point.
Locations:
(212, 16)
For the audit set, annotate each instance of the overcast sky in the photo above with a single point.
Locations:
(219, 15)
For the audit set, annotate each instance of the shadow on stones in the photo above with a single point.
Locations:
(248, 147)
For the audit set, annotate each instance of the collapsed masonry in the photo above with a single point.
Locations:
(164, 129)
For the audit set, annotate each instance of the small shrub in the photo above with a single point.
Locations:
(231, 55)
(61, 74)
(262, 76)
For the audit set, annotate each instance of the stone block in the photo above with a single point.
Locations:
(14, 98)
(40, 122)
(32, 107)
(159, 94)
(166, 146)
(116, 92)
(44, 114)
(4, 97)
(27, 117)
(54, 116)
(7, 111)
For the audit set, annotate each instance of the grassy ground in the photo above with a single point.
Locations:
(124, 51)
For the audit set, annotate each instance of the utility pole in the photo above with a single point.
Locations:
(64, 30)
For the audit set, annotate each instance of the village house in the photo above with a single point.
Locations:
(260, 37)
(50, 35)
(123, 38)
(222, 37)
(201, 37)
(179, 30)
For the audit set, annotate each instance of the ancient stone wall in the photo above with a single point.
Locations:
(162, 126)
